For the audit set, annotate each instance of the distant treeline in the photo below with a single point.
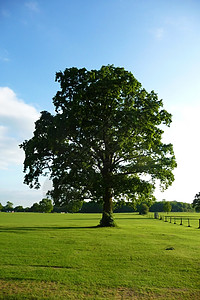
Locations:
(45, 205)
(92, 207)
(175, 206)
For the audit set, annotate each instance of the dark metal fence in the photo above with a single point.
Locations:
(179, 220)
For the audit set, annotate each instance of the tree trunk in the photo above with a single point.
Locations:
(107, 216)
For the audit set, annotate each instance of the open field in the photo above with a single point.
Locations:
(63, 256)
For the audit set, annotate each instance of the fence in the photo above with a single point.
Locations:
(179, 220)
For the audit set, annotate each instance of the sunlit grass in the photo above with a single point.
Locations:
(64, 256)
(182, 218)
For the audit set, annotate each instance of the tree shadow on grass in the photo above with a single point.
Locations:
(137, 218)
(42, 228)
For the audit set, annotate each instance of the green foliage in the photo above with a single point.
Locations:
(19, 209)
(74, 206)
(45, 205)
(102, 142)
(123, 208)
(71, 207)
(167, 206)
(196, 202)
(1, 206)
(143, 209)
(8, 207)
(35, 208)
(158, 206)
(91, 207)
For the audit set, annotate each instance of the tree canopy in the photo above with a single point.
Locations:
(8, 206)
(167, 206)
(158, 206)
(45, 205)
(196, 202)
(104, 141)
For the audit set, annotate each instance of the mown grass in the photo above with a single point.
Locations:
(183, 218)
(64, 256)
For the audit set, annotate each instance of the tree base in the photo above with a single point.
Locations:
(107, 220)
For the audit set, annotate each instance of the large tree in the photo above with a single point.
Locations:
(104, 141)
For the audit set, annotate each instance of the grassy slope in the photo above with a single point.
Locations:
(60, 256)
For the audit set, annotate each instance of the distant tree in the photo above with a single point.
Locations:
(45, 205)
(92, 207)
(104, 142)
(74, 206)
(124, 208)
(167, 206)
(196, 202)
(58, 209)
(143, 209)
(19, 209)
(157, 206)
(1, 206)
(8, 207)
(35, 207)
(187, 207)
(176, 206)
(27, 209)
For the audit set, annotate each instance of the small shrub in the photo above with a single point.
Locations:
(143, 209)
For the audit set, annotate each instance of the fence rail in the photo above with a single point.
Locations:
(179, 220)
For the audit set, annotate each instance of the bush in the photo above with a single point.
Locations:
(143, 209)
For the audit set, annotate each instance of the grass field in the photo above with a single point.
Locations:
(182, 218)
(63, 256)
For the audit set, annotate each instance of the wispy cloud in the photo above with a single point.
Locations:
(33, 6)
(5, 13)
(17, 123)
(181, 23)
(158, 33)
(4, 59)
(4, 56)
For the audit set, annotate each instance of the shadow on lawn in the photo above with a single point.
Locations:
(49, 228)
(42, 228)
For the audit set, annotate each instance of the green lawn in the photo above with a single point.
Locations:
(186, 219)
(63, 256)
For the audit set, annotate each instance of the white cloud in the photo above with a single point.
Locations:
(16, 124)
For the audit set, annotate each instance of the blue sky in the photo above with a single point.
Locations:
(157, 40)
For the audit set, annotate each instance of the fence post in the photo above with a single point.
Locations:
(181, 222)
(199, 224)
(165, 218)
(156, 216)
(174, 220)
(189, 223)
(170, 220)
